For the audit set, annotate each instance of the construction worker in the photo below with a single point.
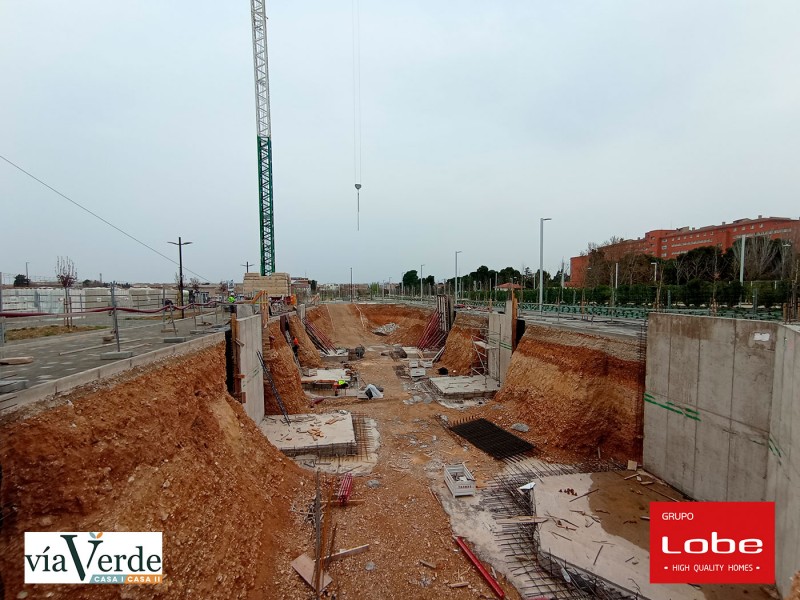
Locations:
(295, 345)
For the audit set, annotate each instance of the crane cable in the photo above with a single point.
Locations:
(357, 162)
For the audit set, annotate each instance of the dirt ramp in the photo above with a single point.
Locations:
(576, 392)
(411, 321)
(307, 353)
(167, 450)
(279, 358)
(459, 353)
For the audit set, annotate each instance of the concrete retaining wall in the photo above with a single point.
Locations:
(707, 405)
(722, 417)
(248, 336)
(783, 473)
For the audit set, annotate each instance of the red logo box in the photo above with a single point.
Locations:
(712, 542)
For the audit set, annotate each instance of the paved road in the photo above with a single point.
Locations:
(63, 355)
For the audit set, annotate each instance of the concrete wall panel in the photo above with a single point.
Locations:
(714, 388)
(713, 447)
(249, 338)
(754, 372)
(729, 391)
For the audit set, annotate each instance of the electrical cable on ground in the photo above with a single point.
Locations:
(125, 233)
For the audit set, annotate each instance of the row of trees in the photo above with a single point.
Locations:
(764, 260)
(483, 279)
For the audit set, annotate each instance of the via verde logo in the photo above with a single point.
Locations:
(93, 557)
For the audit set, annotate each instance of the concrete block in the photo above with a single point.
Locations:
(174, 340)
(116, 355)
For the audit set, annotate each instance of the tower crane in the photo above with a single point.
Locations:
(264, 128)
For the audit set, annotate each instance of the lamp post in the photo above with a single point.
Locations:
(351, 284)
(455, 281)
(180, 244)
(541, 262)
(741, 261)
(247, 266)
(655, 271)
(420, 281)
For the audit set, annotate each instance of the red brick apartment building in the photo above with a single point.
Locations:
(669, 243)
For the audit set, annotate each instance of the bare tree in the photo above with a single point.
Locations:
(67, 275)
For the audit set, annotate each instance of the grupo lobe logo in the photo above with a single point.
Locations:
(712, 542)
(93, 557)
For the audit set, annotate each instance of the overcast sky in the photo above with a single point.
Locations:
(478, 118)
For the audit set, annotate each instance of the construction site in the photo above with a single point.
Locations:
(480, 436)
(406, 450)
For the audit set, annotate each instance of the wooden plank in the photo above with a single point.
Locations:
(304, 565)
(460, 584)
(348, 552)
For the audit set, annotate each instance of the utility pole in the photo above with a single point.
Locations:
(180, 244)
(541, 263)
(247, 266)
(420, 281)
(455, 281)
(351, 284)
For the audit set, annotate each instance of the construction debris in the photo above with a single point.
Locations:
(387, 329)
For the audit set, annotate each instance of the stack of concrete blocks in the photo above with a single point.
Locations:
(277, 284)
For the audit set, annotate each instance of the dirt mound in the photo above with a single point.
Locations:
(165, 449)
(459, 354)
(575, 392)
(411, 321)
(307, 353)
(279, 358)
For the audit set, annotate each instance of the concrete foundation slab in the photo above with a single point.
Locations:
(329, 434)
(465, 387)
(610, 518)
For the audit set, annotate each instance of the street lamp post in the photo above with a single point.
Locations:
(541, 262)
(455, 281)
(247, 266)
(351, 284)
(180, 244)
